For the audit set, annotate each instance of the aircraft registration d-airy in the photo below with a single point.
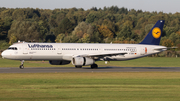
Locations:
(84, 54)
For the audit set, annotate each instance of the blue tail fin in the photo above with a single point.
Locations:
(154, 36)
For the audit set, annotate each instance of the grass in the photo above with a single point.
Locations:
(122, 86)
(144, 86)
(149, 62)
(142, 62)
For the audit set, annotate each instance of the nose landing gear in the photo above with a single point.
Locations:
(22, 66)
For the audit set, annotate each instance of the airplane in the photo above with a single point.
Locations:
(86, 54)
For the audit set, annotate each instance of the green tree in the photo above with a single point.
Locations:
(96, 37)
(168, 31)
(105, 31)
(94, 16)
(83, 28)
(6, 13)
(12, 39)
(174, 37)
(65, 26)
(43, 29)
(25, 31)
(125, 32)
(4, 27)
(168, 43)
(60, 38)
(86, 38)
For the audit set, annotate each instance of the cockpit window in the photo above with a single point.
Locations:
(12, 48)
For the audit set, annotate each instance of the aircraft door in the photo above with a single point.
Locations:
(59, 50)
(143, 50)
(25, 49)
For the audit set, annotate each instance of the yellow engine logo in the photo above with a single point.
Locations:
(156, 32)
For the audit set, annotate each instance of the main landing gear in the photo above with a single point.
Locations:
(78, 66)
(22, 66)
(94, 66)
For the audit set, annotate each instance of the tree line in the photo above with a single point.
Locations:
(76, 25)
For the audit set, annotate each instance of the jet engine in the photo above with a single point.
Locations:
(59, 62)
(82, 61)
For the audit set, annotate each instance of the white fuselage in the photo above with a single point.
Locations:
(66, 51)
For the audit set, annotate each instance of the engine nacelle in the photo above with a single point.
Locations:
(59, 62)
(82, 61)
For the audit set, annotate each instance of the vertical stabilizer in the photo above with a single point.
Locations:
(154, 36)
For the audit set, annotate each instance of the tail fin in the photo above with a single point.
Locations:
(154, 36)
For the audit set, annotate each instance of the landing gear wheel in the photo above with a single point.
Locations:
(21, 67)
(78, 66)
(94, 66)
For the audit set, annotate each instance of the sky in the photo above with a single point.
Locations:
(167, 6)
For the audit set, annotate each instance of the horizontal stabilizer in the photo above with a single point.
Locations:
(161, 48)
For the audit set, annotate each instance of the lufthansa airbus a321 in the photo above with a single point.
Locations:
(83, 54)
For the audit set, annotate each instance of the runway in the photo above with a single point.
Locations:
(87, 69)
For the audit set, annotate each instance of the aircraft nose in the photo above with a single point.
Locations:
(4, 54)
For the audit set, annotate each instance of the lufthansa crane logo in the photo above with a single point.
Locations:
(156, 32)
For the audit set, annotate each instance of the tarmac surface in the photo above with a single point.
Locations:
(87, 69)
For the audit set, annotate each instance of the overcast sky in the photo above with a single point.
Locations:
(167, 6)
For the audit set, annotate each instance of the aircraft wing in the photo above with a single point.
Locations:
(102, 54)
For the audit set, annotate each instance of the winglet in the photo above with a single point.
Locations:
(154, 36)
